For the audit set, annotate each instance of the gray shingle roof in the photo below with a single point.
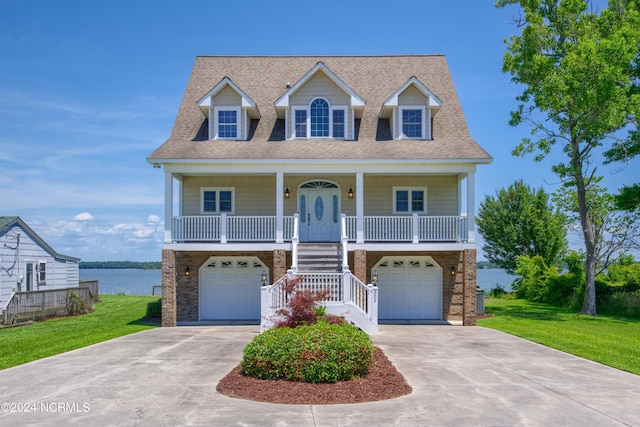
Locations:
(374, 78)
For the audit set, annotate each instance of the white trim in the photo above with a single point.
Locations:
(409, 209)
(217, 190)
(239, 126)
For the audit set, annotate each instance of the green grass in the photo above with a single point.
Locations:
(115, 316)
(610, 340)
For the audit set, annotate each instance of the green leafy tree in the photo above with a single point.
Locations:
(579, 70)
(629, 197)
(616, 232)
(519, 221)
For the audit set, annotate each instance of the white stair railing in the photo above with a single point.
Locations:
(346, 296)
(344, 240)
(295, 240)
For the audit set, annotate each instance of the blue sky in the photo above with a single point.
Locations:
(89, 89)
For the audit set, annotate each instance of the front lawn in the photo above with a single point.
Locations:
(610, 340)
(115, 316)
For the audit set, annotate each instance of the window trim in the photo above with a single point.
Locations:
(217, 190)
(216, 129)
(409, 210)
(423, 132)
(307, 109)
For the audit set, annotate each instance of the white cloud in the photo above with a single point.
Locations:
(84, 216)
(102, 240)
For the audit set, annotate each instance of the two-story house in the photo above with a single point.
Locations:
(354, 173)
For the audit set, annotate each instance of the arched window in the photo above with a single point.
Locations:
(319, 118)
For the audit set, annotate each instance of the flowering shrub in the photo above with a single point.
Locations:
(301, 306)
(316, 353)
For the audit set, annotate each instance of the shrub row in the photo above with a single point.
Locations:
(317, 353)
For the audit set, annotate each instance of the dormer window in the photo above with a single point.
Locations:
(320, 120)
(309, 116)
(226, 122)
(229, 111)
(413, 122)
(410, 110)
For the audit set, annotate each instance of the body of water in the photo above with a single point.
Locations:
(141, 282)
(489, 278)
(128, 282)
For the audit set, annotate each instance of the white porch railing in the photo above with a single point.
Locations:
(231, 228)
(415, 228)
(357, 302)
(224, 228)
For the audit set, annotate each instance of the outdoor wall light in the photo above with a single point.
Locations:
(187, 272)
(374, 278)
(350, 192)
(263, 277)
(453, 270)
(287, 193)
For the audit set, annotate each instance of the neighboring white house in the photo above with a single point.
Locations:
(28, 263)
(345, 170)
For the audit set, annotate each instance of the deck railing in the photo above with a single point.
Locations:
(406, 228)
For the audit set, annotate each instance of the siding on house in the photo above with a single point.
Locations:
(255, 195)
(61, 272)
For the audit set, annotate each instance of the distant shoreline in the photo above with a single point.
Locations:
(120, 265)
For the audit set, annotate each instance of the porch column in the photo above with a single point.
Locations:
(279, 207)
(471, 205)
(359, 207)
(168, 205)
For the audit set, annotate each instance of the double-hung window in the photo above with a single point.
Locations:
(339, 116)
(226, 122)
(413, 124)
(409, 200)
(217, 200)
(320, 120)
(300, 117)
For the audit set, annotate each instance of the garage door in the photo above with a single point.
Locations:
(230, 288)
(409, 288)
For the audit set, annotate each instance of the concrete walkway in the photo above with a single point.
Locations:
(461, 376)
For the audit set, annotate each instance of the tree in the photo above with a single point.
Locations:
(616, 231)
(579, 70)
(629, 197)
(519, 221)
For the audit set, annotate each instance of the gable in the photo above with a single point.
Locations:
(320, 86)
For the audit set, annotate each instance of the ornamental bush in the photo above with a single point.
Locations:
(317, 353)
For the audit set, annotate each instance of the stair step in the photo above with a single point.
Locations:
(319, 257)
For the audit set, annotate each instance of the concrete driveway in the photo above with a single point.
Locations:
(461, 376)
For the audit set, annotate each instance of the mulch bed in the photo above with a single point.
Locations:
(382, 382)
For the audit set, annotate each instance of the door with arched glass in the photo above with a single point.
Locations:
(319, 208)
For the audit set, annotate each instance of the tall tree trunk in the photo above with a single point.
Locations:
(589, 303)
